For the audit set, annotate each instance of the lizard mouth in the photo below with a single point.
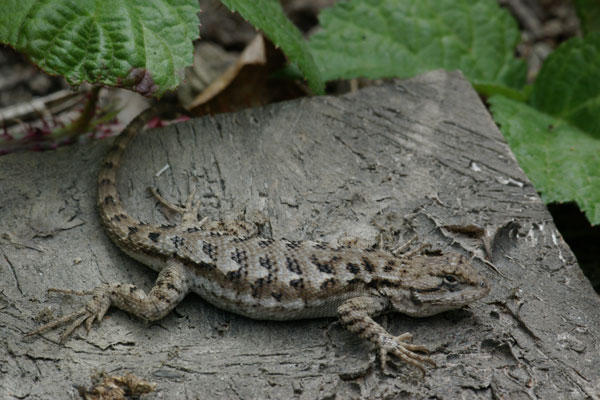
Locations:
(433, 302)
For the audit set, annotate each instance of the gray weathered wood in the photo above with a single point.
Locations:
(403, 158)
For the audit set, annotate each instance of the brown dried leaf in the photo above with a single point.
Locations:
(248, 82)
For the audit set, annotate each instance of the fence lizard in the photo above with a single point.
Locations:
(263, 278)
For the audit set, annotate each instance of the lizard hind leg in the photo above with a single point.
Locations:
(171, 286)
(189, 218)
(353, 242)
(238, 228)
(189, 212)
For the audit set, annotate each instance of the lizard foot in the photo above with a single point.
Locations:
(189, 212)
(189, 220)
(92, 311)
(353, 242)
(401, 347)
(237, 228)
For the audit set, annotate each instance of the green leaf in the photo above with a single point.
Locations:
(568, 85)
(268, 16)
(139, 45)
(589, 14)
(556, 137)
(402, 38)
(562, 161)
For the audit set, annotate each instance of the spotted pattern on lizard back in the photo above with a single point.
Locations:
(263, 278)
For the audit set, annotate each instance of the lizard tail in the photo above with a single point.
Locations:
(114, 217)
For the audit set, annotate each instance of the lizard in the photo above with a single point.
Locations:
(268, 279)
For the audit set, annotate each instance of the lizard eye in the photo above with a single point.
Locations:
(450, 280)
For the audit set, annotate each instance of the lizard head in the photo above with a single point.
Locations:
(436, 284)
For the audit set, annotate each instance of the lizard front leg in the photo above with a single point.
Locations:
(171, 286)
(356, 316)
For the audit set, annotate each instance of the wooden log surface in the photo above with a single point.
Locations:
(404, 159)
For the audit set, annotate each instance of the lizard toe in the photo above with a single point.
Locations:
(92, 311)
(398, 346)
(74, 325)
